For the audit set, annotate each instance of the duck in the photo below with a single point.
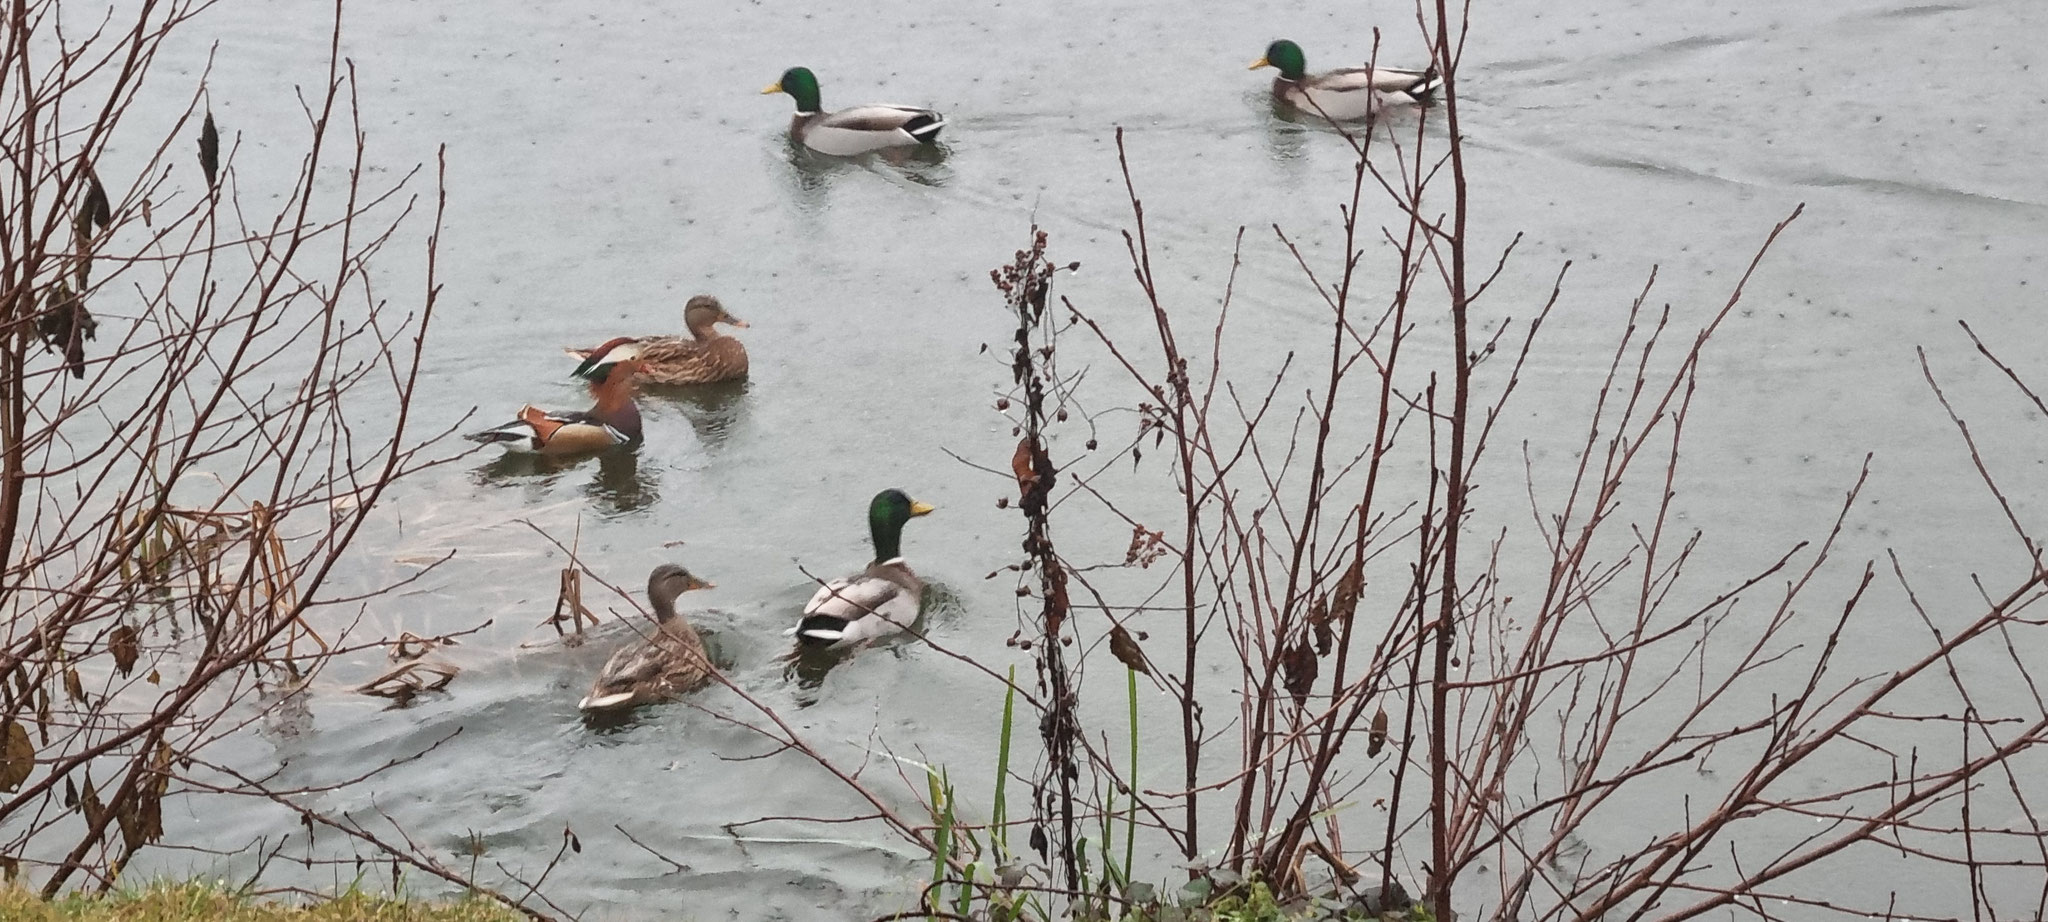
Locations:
(858, 130)
(706, 356)
(669, 663)
(613, 420)
(1347, 93)
(877, 602)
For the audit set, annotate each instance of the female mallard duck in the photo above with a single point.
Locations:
(879, 601)
(614, 420)
(704, 357)
(660, 667)
(852, 131)
(1347, 93)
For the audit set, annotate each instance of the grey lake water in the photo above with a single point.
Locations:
(605, 162)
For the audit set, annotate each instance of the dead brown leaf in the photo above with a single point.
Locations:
(89, 803)
(1020, 465)
(142, 820)
(1319, 621)
(209, 149)
(1298, 671)
(17, 756)
(125, 644)
(1126, 649)
(1344, 601)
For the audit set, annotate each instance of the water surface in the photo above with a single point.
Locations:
(605, 165)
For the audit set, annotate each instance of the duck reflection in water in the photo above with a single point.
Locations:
(811, 174)
(715, 411)
(1286, 136)
(619, 487)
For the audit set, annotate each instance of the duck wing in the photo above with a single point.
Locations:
(558, 431)
(862, 129)
(924, 124)
(880, 601)
(689, 361)
(647, 670)
(648, 344)
(1417, 85)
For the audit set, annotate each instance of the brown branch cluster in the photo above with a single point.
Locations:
(199, 409)
(1398, 700)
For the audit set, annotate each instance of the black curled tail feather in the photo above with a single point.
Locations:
(1425, 89)
(820, 630)
(925, 127)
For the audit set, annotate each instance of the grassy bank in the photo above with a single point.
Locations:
(195, 902)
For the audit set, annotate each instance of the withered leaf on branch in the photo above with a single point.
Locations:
(142, 823)
(1032, 465)
(1020, 465)
(209, 149)
(1126, 649)
(73, 686)
(1055, 600)
(64, 325)
(82, 235)
(89, 803)
(1298, 670)
(96, 205)
(123, 642)
(142, 817)
(1344, 601)
(1319, 621)
(1378, 737)
(17, 756)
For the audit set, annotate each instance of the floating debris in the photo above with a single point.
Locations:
(403, 681)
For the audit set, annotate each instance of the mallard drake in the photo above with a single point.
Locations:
(614, 420)
(876, 602)
(852, 131)
(703, 357)
(656, 668)
(1347, 93)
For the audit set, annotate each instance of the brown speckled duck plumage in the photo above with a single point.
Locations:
(669, 662)
(706, 356)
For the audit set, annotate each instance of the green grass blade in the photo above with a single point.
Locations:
(1131, 823)
(1000, 814)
